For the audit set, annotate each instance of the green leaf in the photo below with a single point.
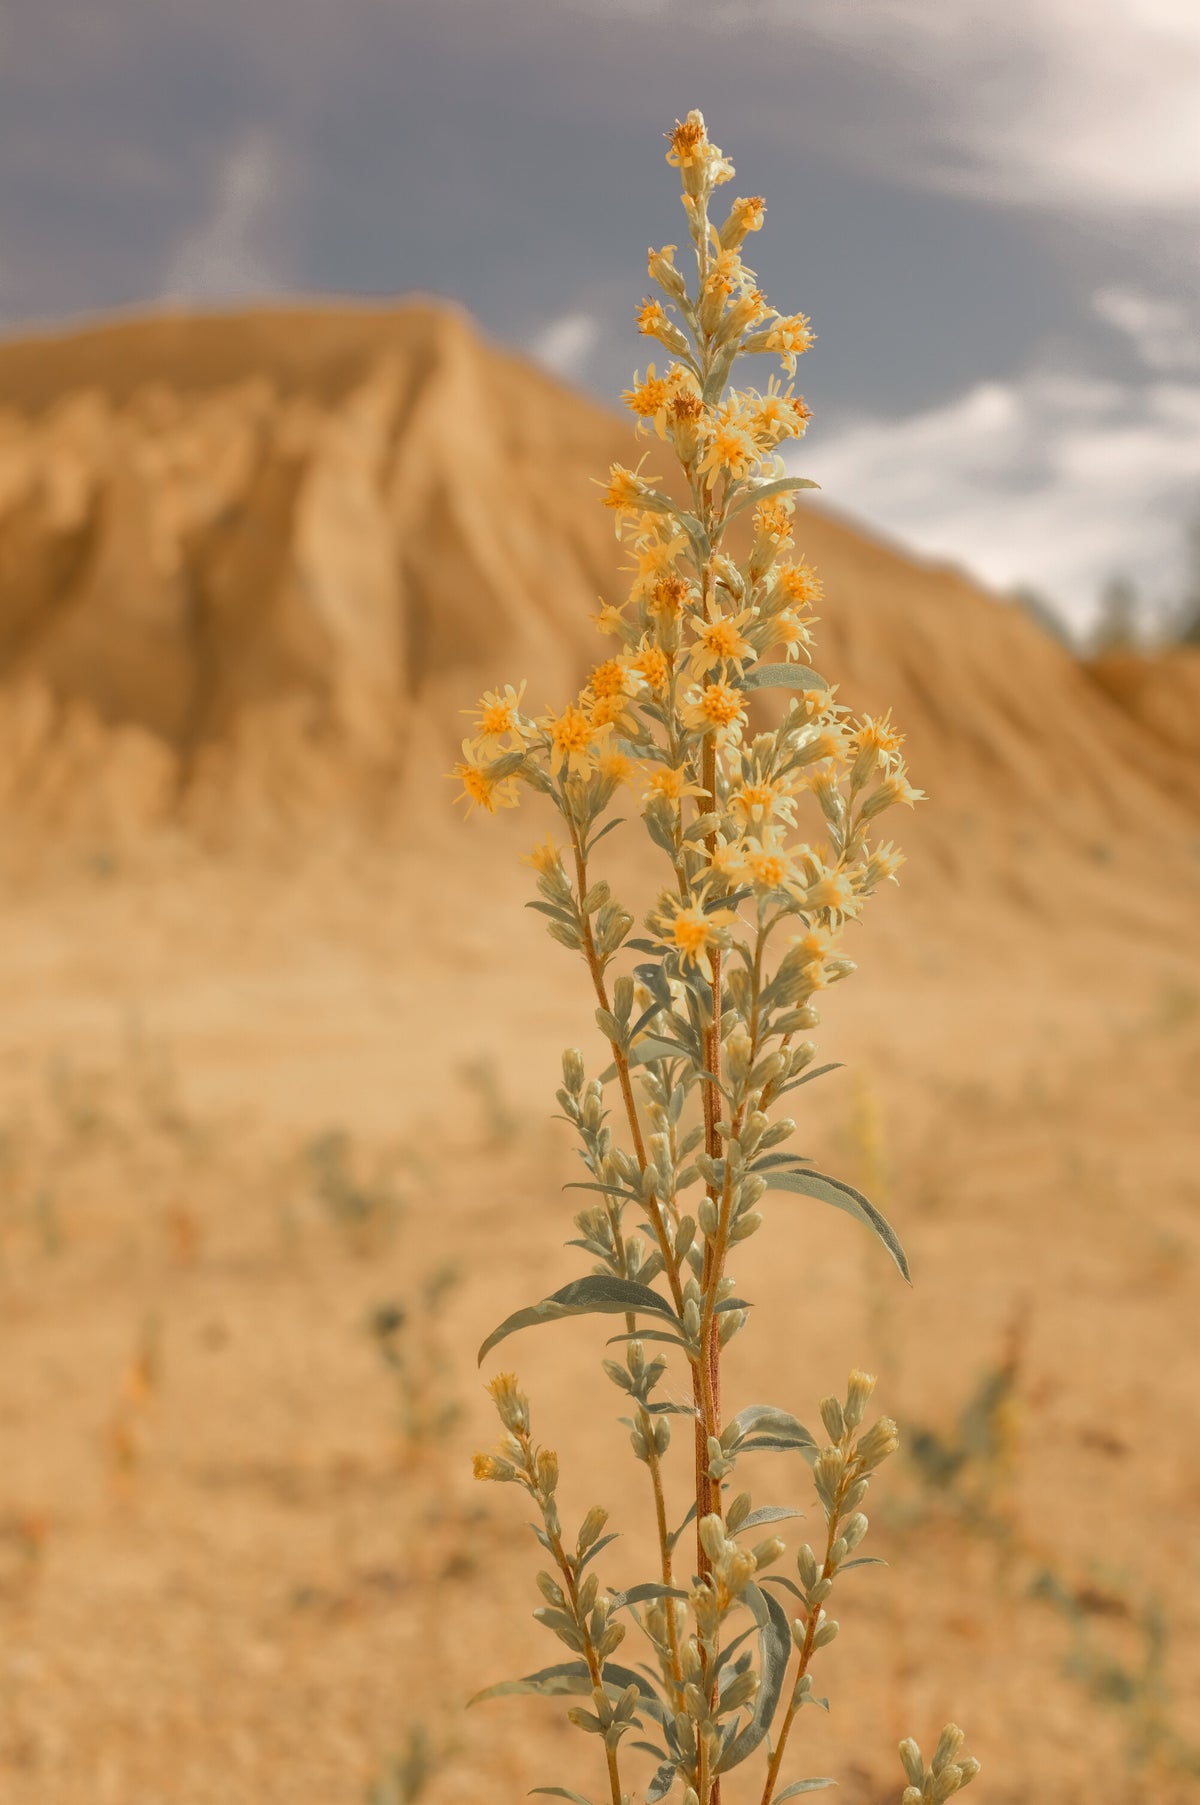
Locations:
(662, 1783)
(779, 485)
(764, 1426)
(597, 1295)
(617, 821)
(573, 1677)
(559, 1792)
(768, 1513)
(864, 1560)
(775, 1641)
(594, 1550)
(644, 1593)
(782, 676)
(647, 1335)
(818, 1071)
(843, 1197)
(570, 916)
(799, 1786)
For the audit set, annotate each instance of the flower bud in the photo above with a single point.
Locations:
(881, 1440)
(591, 1529)
(661, 267)
(949, 1743)
(547, 1470)
(831, 1416)
(913, 1761)
(572, 1061)
(511, 1403)
(859, 1387)
(712, 1534)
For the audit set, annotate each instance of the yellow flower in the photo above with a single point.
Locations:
(611, 711)
(719, 639)
(894, 788)
(616, 765)
(791, 335)
(626, 490)
(766, 861)
(496, 715)
(876, 732)
(669, 595)
(792, 632)
(673, 783)
(610, 679)
(479, 788)
(687, 927)
(799, 583)
(574, 739)
(647, 398)
(746, 215)
(775, 416)
(834, 893)
(882, 864)
(654, 322)
(773, 520)
(611, 619)
(653, 556)
(729, 451)
(717, 708)
(545, 857)
(758, 802)
(651, 663)
(699, 161)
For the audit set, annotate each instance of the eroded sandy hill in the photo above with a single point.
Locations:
(252, 565)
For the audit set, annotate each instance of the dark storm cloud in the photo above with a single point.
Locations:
(988, 213)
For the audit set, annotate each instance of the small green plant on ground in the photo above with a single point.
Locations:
(366, 1208)
(408, 1338)
(702, 1020)
(403, 1778)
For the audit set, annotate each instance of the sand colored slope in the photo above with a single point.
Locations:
(243, 559)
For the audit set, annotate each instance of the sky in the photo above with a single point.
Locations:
(991, 214)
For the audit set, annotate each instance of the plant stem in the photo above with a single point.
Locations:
(804, 1654)
(594, 1664)
(647, 1427)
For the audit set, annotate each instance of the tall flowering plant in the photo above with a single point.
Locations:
(702, 1022)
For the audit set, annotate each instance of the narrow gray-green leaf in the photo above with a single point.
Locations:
(775, 1642)
(558, 1792)
(799, 1786)
(644, 1593)
(765, 1426)
(843, 1197)
(779, 485)
(596, 1295)
(782, 676)
(662, 1783)
(767, 1513)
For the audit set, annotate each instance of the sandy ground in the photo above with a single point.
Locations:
(227, 1574)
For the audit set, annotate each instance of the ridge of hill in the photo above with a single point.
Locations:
(252, 564)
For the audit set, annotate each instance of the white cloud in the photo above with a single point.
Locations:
(1084, 109)
(231, 253)
(1049, 481)
(1163, 335)
(1088, 103)
(566, 344)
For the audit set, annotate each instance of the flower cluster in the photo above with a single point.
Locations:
(767, 828)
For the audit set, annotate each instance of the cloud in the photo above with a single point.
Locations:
(1161, 332)
(1087, 103)
(566, 345)
(233, 251)
(1052, 482)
